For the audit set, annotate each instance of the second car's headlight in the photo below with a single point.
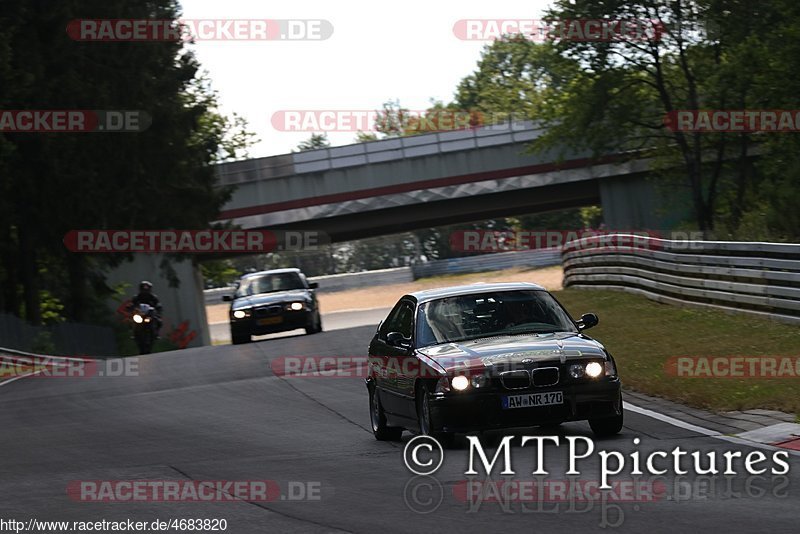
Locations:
(240, 314)
(460, 383)
(594, 369)
(296, 306)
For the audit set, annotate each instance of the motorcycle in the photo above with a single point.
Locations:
(145, 323)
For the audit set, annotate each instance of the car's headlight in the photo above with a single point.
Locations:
(479, 381)
(239, 314)
(296, 306)
(138, 319)
(576, 370)
(594, 369)
(460, 383)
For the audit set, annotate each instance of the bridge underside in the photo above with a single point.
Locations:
(417, 216)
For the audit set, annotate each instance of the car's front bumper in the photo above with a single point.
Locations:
(483, 410)
(290, 320)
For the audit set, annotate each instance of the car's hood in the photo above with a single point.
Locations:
(266, 299)
(504, 352)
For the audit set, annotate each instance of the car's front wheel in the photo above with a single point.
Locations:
(605, 427)
(315, 326)
(425, 419)
(378, 419)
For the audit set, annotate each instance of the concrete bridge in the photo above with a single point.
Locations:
(400, 184)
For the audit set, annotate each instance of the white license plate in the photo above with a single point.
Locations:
(530, 400)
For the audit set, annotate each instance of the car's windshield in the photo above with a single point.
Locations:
(269, 283)
(478, 315)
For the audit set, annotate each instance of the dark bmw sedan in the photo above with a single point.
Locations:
(488, 356)
(273, 301)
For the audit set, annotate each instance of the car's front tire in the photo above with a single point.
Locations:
(377, 417)
(605, 427)
(425, 419)
(315, 326)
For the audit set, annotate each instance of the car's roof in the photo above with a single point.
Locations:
(453, 291)
(272, 271)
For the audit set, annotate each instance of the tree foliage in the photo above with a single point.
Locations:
(52, 183)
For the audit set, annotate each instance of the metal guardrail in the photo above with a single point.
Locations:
(400, 275)
(756, 278)
(489, 262)
(366, 279)
(336, 282)
(62, 338)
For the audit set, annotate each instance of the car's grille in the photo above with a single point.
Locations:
(545, 376)
(268, 311)
(515, 379)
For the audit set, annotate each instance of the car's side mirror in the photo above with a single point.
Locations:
(313, 285)
(396, 339)
(587, 321)
(227, 298)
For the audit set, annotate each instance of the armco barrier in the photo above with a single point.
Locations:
(489, 262)
(756, 278)
(337, 282)
(61, 338)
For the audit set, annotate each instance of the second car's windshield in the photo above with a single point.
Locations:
(269, 283)
(489, 314)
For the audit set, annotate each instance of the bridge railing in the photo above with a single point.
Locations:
(384, 150)
(747, 277)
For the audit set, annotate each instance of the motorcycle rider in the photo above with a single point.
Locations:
(146, 296)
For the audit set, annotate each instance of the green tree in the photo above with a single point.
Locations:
(314, 142)
(160, 178)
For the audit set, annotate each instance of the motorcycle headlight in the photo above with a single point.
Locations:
(239, 314)
(138, 319)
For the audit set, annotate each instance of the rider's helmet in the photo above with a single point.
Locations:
(145, 286)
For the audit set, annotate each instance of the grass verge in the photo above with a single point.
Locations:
(643, 334)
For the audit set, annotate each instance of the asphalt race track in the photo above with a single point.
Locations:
(220, 413)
